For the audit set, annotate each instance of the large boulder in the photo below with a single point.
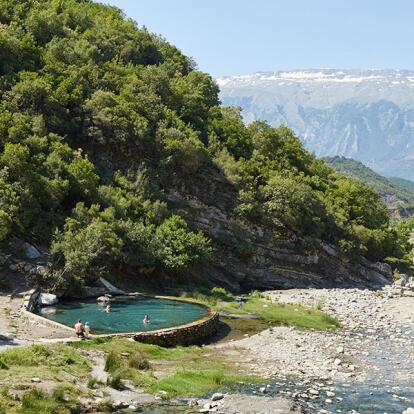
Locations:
(47, 299)
(31, 251)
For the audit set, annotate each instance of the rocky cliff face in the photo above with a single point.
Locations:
(248, 257)
(365, 115)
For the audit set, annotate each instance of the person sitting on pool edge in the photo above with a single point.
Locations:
(79, 329)
(146, 319)
(87, 330)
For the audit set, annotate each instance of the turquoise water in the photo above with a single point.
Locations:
(126, 315)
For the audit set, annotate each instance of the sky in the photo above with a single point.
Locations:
(230, 37)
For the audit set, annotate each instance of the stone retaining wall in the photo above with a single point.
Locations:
(189, 334)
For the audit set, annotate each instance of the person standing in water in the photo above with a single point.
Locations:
(146, 319)
(108, 308)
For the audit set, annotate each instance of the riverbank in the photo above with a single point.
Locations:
(373, 353)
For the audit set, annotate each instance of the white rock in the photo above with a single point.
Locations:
(340, 350)
(217, 396)
(103, 299)
(47, 299)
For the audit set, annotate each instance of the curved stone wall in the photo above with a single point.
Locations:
(192, 333)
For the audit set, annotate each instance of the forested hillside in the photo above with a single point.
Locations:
(112, 142)
(397, 193)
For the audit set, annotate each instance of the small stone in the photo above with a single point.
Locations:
(340, 350)
(119, 405)
(312, 391)
(98, 393)
(36, 380)
(262, 390)
(337, 362)
(217, 396)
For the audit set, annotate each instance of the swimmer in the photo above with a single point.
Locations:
(146, 319)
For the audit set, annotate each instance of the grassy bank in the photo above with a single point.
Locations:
(58, 368)
(274, 313)
(64, 372)
(180, 371)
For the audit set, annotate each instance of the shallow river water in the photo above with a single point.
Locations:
(387, 387)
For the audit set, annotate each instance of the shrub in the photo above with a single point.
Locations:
(115, 381)
(180, 247)
(221, 293)
(138, 361)
(3, 365)
(113, 362)
(36, 401)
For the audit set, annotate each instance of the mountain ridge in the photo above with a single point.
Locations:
(367, 115)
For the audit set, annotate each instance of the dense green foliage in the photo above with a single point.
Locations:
(100, 119)
(396, 192)
(404, 184)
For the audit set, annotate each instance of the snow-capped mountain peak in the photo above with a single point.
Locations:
(363, 114)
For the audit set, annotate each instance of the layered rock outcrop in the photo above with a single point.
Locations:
(248, 256)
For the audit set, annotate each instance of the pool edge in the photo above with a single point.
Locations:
(186, 334)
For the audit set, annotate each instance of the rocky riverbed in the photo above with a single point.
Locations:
(367, 366)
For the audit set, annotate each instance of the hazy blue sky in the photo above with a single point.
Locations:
(228, 37)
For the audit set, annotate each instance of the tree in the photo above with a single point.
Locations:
(294, 206)
(179, 247)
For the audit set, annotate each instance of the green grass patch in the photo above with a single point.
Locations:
(63, 400)
(19, 365)
(196, 383)
(188, 371)
(282, 314)
(273, 312)
(124, 345)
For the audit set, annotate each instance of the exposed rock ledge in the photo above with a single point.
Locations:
(249, 258)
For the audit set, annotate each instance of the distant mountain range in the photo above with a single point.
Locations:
(367, 115)
(397, 193)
